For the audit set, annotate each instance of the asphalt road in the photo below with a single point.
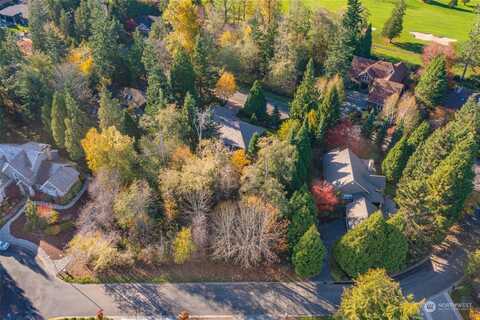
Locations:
(34, 294)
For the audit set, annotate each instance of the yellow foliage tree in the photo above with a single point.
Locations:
(239, 159)
(182, 15)
(227, 38)
(183, 246)
(82, 57)
(109, 149)
(226, 86)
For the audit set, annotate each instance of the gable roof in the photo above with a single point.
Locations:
(358, 210)
(233, 131)
(62, 177)
(14, 10)
(382, 89)
(344, 169)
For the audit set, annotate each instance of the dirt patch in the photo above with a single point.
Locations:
(194, 271)
(53, 245)
(430, 37)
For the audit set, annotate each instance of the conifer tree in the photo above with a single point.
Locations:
(303, 162)
(253, 145)
(365, 45)
(157, 91)
(189, 115)
(129, 126)
(418, 136)
(306, 95)
(104, 41)
(302, 213)
(256, 104)
(59, 113)
(394, 25)
(395, 161)
(134, 57)
(368, 125)
(205, 80)
(339, 56)
(329, 109)
(75, 127)
(433, 83)
(353, 23)
(309, 253)
(275, 118)
(109, 112)
(182, 76)
(36, 21)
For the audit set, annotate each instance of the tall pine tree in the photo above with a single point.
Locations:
(109, 111)
(256, 104)
(182, 76)
(394, 25)
(59, 113)
(306, 95)
(75, 127)
(433, 84)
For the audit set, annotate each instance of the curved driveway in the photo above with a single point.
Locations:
(35, 294)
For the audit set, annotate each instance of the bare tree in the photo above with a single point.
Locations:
(248, 233)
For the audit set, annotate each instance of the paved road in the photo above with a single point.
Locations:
(441, 307)
(43, 295)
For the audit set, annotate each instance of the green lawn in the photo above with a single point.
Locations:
(436, 18)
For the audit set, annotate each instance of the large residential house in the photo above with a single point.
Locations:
(234, 132)
(14, 14)
(35, 167)
(382, 78)
(355, 178)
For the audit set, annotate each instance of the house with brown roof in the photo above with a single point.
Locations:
(355, 178)
(383, 78)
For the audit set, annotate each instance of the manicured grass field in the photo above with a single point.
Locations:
(435, 18)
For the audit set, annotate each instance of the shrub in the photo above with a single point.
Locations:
(302, 214)
(324, 195)
(309, 253)
(373, 243)
(183, 246)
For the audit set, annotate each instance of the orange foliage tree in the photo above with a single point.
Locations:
(324, 195)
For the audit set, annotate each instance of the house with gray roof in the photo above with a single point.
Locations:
(234, 132)
(14, 14)
(355, 178)
(36, 167)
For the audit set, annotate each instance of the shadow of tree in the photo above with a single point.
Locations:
(247, 299)
(26, 258)
(13, 303)
(446, 6)
(410, 46)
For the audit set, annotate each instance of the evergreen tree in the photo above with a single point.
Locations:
(109, 111)
(275, 118)
(256, 104)
(329, 109)
(303, 144)
(339, 56)
(253, 145)
(302, 213)
(470, 50)
(83, 16)
(396, 160)
(65, 24)
(189, 115)
(205, 80)
(309, 253)
(130, 126)
(353, 23)
(396, 136)
(36, 21)
(54, 46)
(433, 83)
(75, 127)
(381, 133)
(376, 296)
(368, 125)
(373, 243)
(365, 46)
(394, 25)
(182, 76)
(134, 58)
(157, 91)
(104, 42)
(306, 95)
(418, 136)
(451, 182)
(59, 113)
